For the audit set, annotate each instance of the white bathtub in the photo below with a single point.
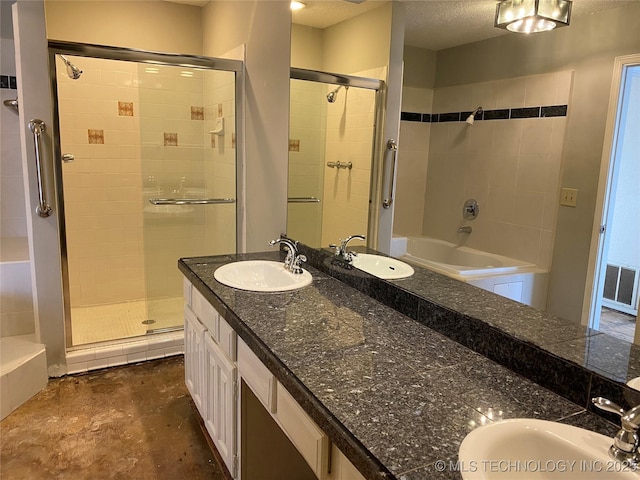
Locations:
(511, 278)
(450, 258)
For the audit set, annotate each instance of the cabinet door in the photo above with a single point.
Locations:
(194, 357)
(220, 416)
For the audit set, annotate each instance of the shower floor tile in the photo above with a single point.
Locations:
(100, 323)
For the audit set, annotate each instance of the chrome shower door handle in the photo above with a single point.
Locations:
(38, 127)
(393, 146)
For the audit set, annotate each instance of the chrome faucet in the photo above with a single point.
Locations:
(293, 259)
(626, 443)
(341, 250)
(464, 229)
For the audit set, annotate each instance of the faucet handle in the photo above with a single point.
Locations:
(627, 441)
(608, 406)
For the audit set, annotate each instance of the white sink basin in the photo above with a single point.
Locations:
(382, 267)
(261, 276)
(634, 383)
(537, 449)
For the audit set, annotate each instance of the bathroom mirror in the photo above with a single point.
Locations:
(332, 138)
(514, 166)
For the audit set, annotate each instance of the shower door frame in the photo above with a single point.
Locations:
(153, 58)
(380, 88)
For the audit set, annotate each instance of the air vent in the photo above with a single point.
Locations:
(621, 289)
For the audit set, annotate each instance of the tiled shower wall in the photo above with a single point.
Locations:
(307, 133)
(510, 166)
(350, 133)
(137, 132)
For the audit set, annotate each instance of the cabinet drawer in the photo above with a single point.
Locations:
(228, 339)
(205, 313)
(309, 440)
(257, 376)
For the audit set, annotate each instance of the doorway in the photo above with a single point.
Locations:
(615, 290)
(146, 175)
(333, 137)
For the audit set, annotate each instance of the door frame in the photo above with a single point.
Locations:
(606, 184)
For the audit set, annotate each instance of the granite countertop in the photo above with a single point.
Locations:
(394, 395)
(566, 357)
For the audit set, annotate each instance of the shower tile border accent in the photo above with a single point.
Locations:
(543, 111)
(8, 81)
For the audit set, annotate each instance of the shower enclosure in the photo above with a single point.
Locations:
(145, 173)
(333, 147)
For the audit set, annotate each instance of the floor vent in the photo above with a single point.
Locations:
(621, 289)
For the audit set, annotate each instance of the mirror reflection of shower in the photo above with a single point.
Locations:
(73, 71)
(333, 95)
(328, 203)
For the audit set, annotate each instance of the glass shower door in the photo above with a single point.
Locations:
(153, 179)
(332, 133)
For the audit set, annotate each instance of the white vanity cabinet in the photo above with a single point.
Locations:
(211, 373)
(215, 362)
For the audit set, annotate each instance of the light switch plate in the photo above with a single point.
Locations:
(569, 197)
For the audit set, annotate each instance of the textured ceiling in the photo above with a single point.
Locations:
(434, 24)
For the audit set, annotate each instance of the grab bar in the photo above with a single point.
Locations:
(393, 146)
(303, 200)
(37, 127)
(190, 201)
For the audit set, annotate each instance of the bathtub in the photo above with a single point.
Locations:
(463, 261)
(508, 277)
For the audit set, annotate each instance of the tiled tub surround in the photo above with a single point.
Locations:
(508, 160)
(392, 394)
(568, 358)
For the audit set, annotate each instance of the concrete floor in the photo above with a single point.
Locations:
(131, 422)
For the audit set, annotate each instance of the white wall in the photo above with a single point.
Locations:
(263, 27)
(149, 25)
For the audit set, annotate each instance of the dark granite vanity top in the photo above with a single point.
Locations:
(572, 360)
(393, 394)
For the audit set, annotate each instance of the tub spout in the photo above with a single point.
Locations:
(464, 230)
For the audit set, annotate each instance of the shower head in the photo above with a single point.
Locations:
(472, 117)
(73, 71)
(331, 96)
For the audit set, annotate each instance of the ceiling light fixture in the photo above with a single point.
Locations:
(531, 16)
(297, 5)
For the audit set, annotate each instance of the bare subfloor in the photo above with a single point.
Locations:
(131, 422)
